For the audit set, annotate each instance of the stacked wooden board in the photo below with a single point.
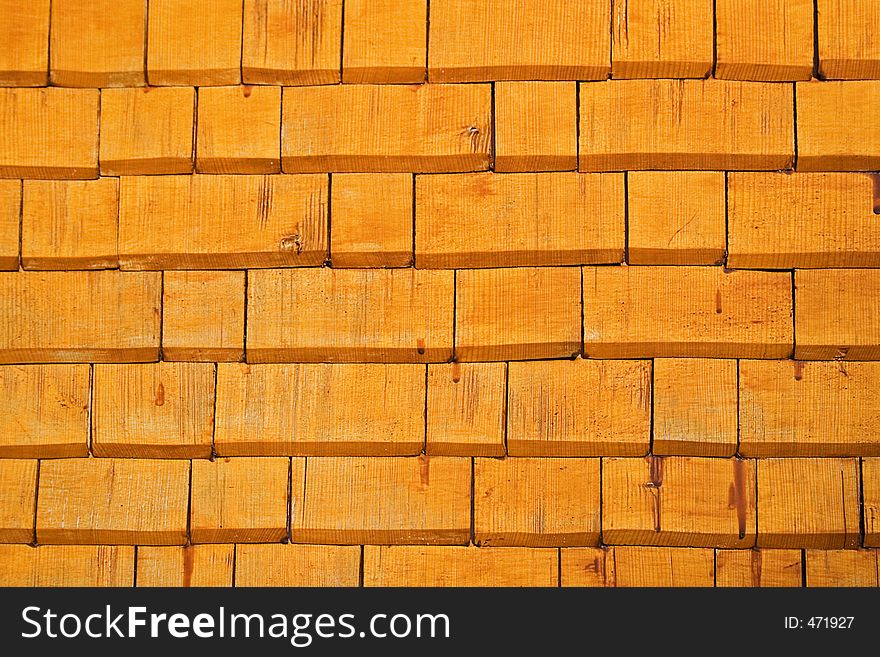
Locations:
(459, 293)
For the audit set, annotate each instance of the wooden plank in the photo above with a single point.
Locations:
(320, 409)
(10, 223)
(466, 409)
(325, 315)
(695, 407)
(871, 501)
(242, 500)
(676, 218)
(69, 224)
(380, 500)
(193, 43)
(536, 126)
(435, 566)
(44, 411)
(519, 313)
(805, 220)
(222, 222)
(478, 40)
(159, 410)
(808, 503)
(685, 124)
(49, 133)
(385, 41)
(648, 312)
(754, 568)
(837, 314)
(678, 501)
(203, 315)
(662, 39)
(17, 499)
(291, 43)
(834, 130)
(847, 51)
(842, 568)
(79, 317)
(239, 130)
(98, 44)
(297, 565)
(579, 408)
(193, 565)
(66, 565)
(764, 40)
(147, 131)
(536, 502)
(518, 220)
(386, 128)
(27, 26)
(793, 408)
(372, 220)
(113, 501)
(637, 566)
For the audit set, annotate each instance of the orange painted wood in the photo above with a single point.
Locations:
(385, 41)
(297, 565)
(66, 565)
(193, 565)
(26, 25)
(754, 568)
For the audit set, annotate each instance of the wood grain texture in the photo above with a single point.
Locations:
(372, 220)
(66, 565)
(579, 408)
(425, 501)
(193, 565)
(842, 568)
(685, 124)
(837, 314)
(764, 40)
(297, 565)
(645, 312)
(679, 501)
(386, 128)
(241, 500)
(147, 131)
(834, 130)
(320, 410)
(157, 410)
(203, 315)
(288, 42)
(536, 502)
(379, 315)
(871, 501)
(193, 43)
(406, 565)
(49, 133)
(695, 407)
(805, 220)
(518, 220)
(479, 40)
(98, 44)
(222, 222)
(637, 567)
(466, 409)
(44, 411)
(239, 130)
(676, 218)
(79, 317)
(809, 408)
(10, 223)
(662, 39)
(758, 568)
(385, 41)
(536, 126)
(17, 500)
(808, 503)
(518, 313)
(27, 26)
(847, 49)
(69, 224)
(113, 501)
